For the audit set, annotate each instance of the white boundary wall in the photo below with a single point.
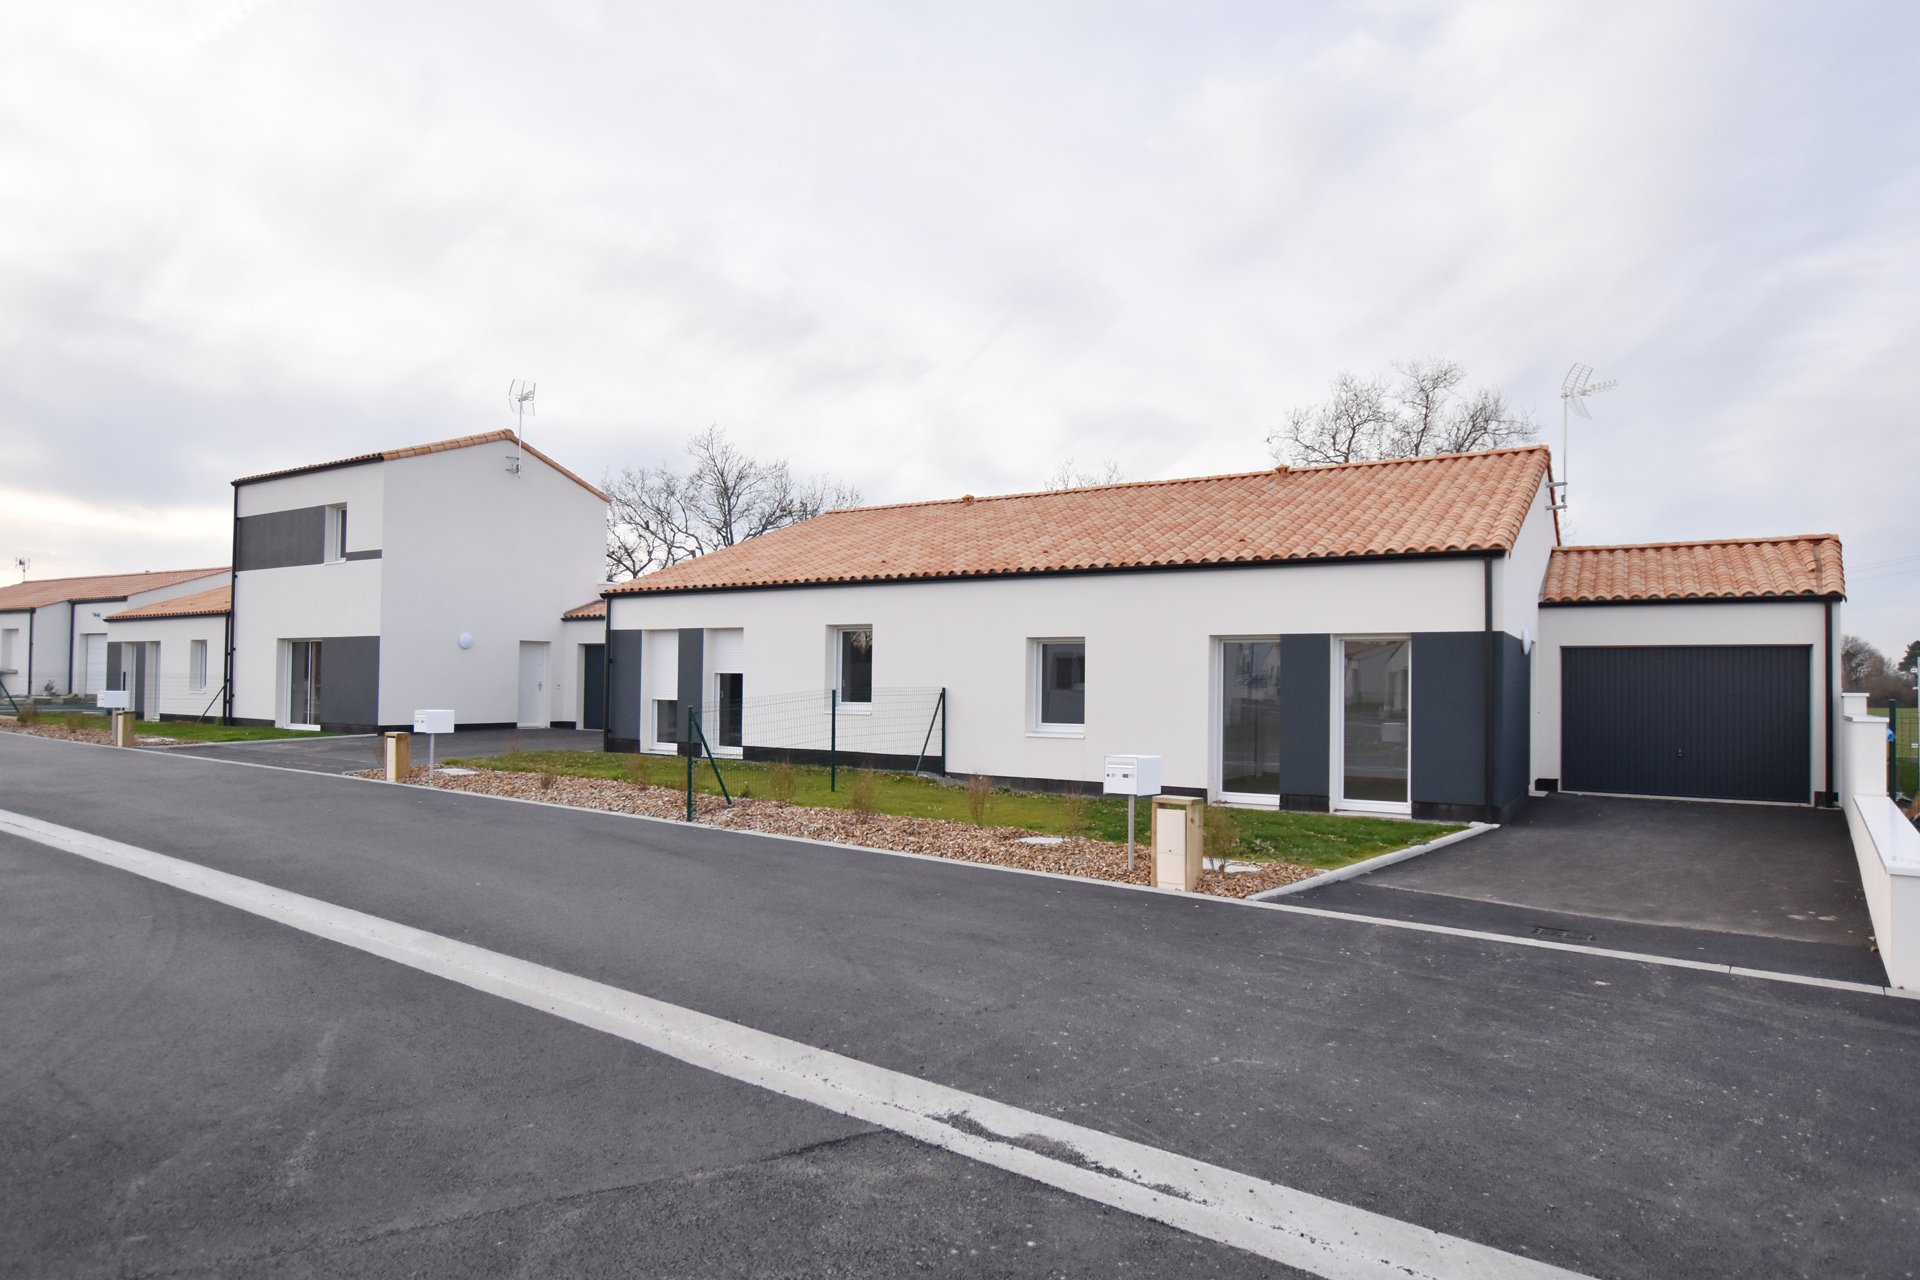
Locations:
(1785, 622)
(1884, 842)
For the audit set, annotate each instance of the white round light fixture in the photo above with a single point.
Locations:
(466, 639)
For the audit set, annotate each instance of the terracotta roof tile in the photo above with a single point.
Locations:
(201, 604)
(590, 610)
(1728, 569)
(502, 436)
(1412, 506)
(112, 586)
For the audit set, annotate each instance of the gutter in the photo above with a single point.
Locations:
(233, 605)
(71, 628)
(1487, 702)
(1832, 792)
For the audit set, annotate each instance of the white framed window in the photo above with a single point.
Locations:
(853, 666)
(1057, 672)
(666, 723)
(336, 549)
(197, 665)
(9, 641)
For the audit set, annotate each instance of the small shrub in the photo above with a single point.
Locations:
(1221, 832)
(29, 715)
(782, 783)
(547, 781)
(863, 793)
(639, 770)
(1074, 814)
(979, 793)
(744, 791)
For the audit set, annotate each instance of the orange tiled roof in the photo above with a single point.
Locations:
(112, 586)
(416, 450)
(1409, 506)
(1726, 569)
(592, 609)
(201, 604)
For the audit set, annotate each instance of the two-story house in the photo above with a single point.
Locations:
(431, 576)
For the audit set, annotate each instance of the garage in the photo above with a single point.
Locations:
(1711, 722)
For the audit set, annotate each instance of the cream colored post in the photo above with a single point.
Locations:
(399, 756)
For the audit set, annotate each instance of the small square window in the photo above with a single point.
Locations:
(336, 548)
(854, 665)
(666, 721)
(197, 665)
(1061, 679)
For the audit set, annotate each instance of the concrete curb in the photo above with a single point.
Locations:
(1353, 869)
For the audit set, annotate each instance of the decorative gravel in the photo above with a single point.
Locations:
(56, 731)
(963, 842)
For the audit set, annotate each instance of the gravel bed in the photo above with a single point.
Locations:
(56, 731)
(961, 841)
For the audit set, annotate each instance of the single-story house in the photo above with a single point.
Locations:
(435, 575)
(53, 631)
(168, 655)
(584, 646)
(1372, 637)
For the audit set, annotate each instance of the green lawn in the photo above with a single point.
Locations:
(184, 730)
(1309, 839)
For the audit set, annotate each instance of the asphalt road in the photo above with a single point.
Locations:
(185, 1088)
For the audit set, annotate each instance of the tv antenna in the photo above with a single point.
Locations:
(1574, 390)
(520, 404)
(22, 563)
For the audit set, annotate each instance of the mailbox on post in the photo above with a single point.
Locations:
(1132, 777)
(430, 723)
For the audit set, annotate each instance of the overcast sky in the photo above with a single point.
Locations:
(935, 249)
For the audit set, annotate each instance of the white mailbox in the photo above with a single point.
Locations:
(1133, 776)
(113, 699)
(433, 722)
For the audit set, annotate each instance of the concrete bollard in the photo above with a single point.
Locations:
(399, 749)
(1179, 841)
(123, 728)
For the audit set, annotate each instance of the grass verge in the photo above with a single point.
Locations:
(1320, 840)
(184, 730)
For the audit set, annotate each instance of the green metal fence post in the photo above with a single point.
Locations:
(833, 744)
(687, 751)
(939, 708)
(701, 732)
(1893, 748)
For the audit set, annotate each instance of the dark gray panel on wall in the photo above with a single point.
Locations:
(277, 539)
(692, 662)
(1306, 663)
(116, 655)
(1513, 672)
(350, 680)
(1449, 717)
(593, 686)
(1722, 722)
(623, 681)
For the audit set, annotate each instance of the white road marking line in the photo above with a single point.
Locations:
(1320, 1236)
(1324, 913)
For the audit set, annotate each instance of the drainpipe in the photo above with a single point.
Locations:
(1492, 724)
(71, 628)
(31, 615)
(1832, 794)
(233, 606)
(606, 674)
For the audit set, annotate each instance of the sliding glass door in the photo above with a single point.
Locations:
(1250, 720)
(303, 684)
(1376, 694)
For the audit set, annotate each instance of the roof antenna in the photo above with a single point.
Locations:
(520, 404)
(1574, 390)
(21, 562)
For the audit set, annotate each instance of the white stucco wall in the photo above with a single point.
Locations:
(14, 666)
(1763, 623)
(471, 548)
(1517, 579)
(1151, 686)
(178, 693)
(570, 666)
(90, 616)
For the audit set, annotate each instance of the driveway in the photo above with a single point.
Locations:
(1755, 885)
(350, 753)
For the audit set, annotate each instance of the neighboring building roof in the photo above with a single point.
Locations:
(502, 436)
(112, 586)
(587, 612)
(201, 604)
(1804, 565)
(1410, 506)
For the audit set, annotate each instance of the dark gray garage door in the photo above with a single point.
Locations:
(1721, 722)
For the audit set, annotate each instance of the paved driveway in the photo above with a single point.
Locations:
(1758, 885)
(354, 752)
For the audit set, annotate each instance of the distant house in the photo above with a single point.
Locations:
(1398, 637)
(169, 655)
(431, 576)
(585, 646)
(53, 632)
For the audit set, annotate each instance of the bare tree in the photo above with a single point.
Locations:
(660, 516)
(1860, 662)
(1067, 476)
(1423, 409)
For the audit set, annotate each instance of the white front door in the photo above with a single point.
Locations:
(94, 672)
(533, 685)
